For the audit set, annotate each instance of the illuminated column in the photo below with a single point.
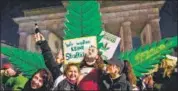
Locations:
(156, 33)
(23, 40)
(126, 36)
(146, 35)
(45, 33)
(54, 42)
(31, 44)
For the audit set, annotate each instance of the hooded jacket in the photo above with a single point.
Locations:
(118, 84)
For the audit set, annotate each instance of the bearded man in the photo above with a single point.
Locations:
(90, 70)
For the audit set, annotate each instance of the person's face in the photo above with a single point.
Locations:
(91, 56)
(10, 72)
(37, 81)
(112, 69)
(72, 73)
(148, 80)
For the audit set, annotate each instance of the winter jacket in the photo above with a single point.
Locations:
(171, 83)
(16, 83)
(118, 84)
(54, 68)
(65, 85)
(49, 59)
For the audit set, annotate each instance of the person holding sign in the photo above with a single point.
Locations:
(66, 81)
(90, 70)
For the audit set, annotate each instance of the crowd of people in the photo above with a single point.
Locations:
(93, 74)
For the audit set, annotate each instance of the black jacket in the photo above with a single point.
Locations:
(118, 84)
(171, 83)
(50, 64)
(65, 85)
(49, 59)
(54, 68)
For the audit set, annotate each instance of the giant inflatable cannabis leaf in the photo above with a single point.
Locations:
(83, 19)
(27, 62)
(146, 57)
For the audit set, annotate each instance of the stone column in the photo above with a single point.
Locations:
(31, 45)
(45, 34)
(146, 35)
(23, 40)
(54, 42)
(156, 33)
(121, 34)
(126, 36)
(65, 2)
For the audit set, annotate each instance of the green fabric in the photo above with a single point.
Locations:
(3, 79)
(16, 83)
(26, 62)
(83, 19)
(146, 57)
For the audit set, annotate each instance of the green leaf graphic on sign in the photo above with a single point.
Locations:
(146, 57)
(105, 47)
(27, 62)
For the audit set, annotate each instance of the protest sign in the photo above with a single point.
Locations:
(110, 43)
(74, 48)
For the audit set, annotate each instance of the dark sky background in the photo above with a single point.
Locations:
(169, 18)
(14, 8)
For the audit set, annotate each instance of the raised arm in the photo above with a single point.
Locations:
(48, 57)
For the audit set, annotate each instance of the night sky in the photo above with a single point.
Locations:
(14, 8)
(169, 19)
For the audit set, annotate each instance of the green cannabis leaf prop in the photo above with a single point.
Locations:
(146, 57)
(83, 19)
(27, 62)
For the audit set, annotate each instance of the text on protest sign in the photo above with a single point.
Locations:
(74, 48)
